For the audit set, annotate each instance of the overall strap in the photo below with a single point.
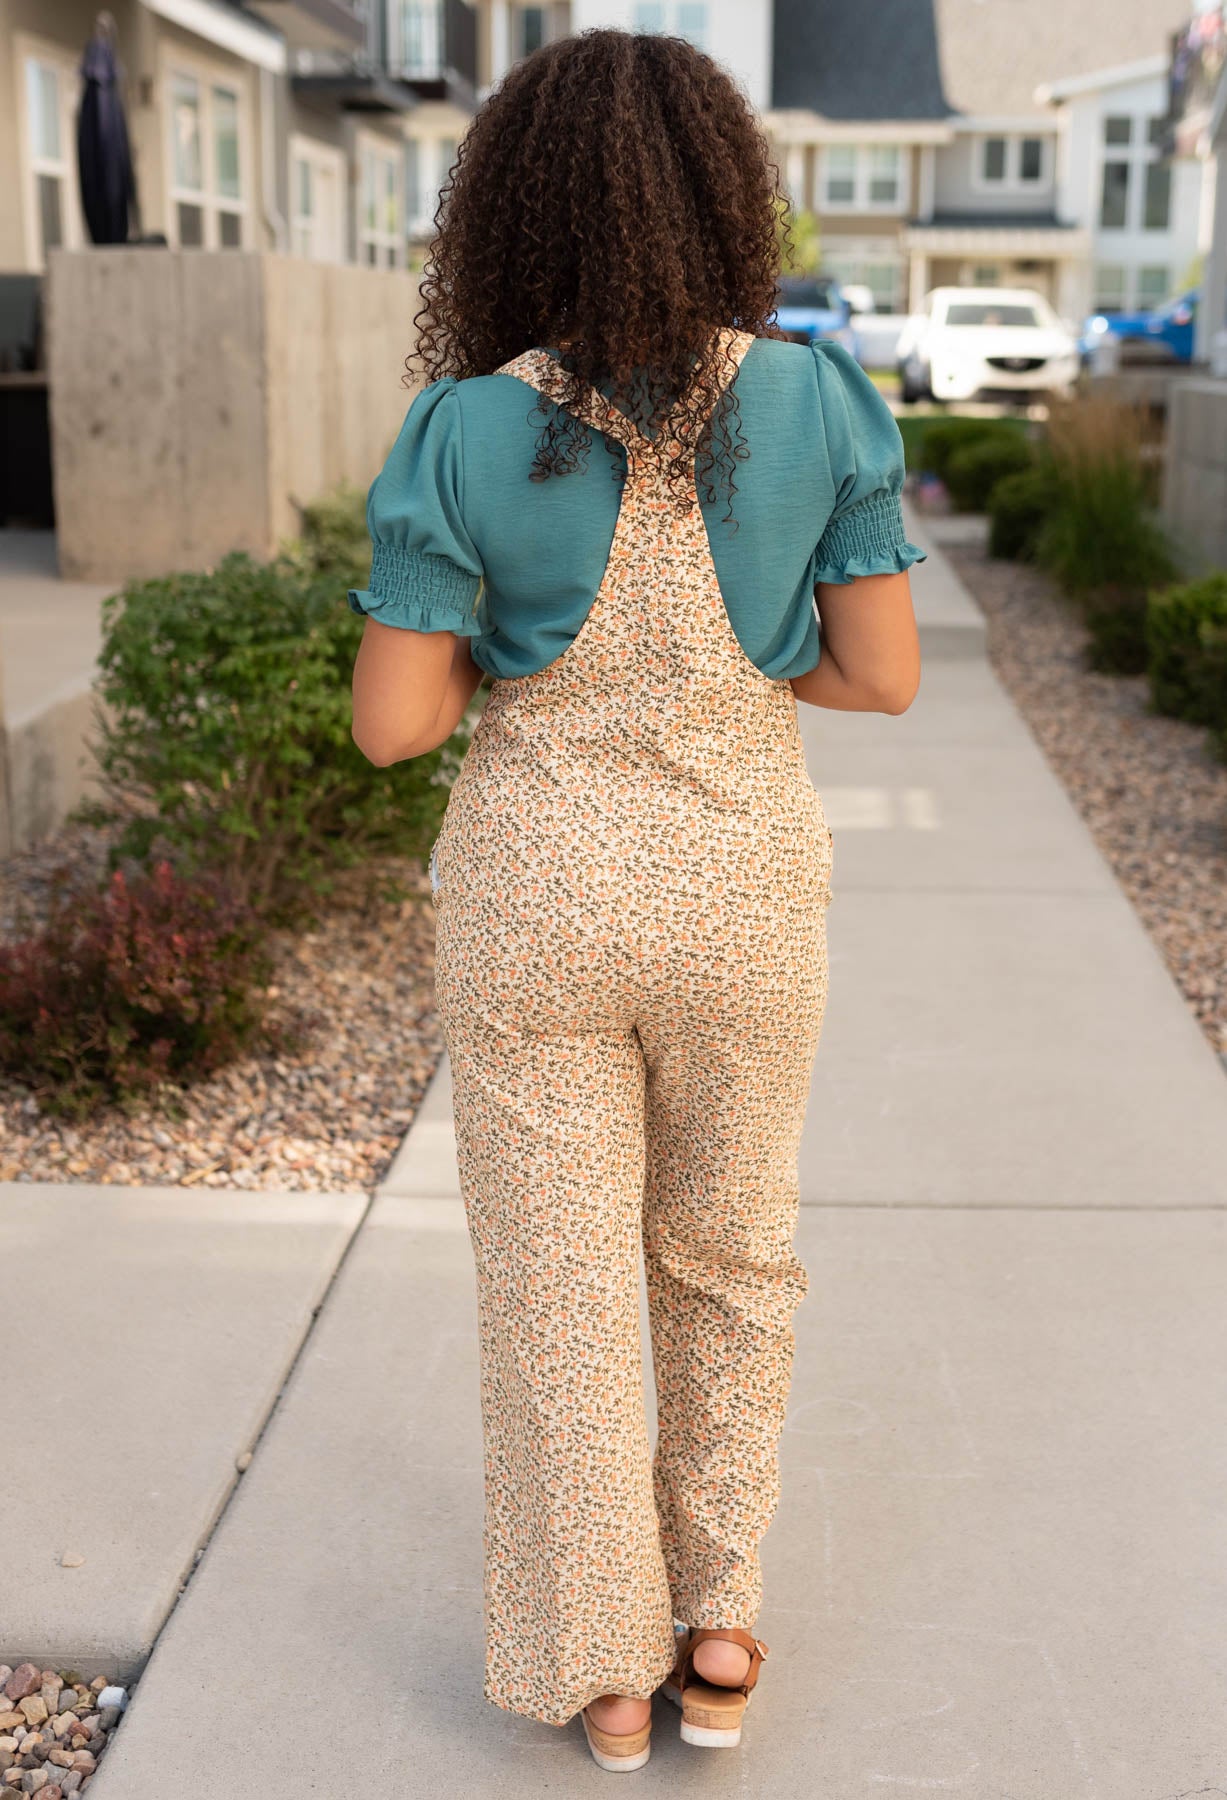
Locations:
(542, 371)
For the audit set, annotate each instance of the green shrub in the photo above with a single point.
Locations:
(224, 738)
(1186, 641)
(1102, 541)
(126, 989)
(334, 539)
(1017, 508)
(973, 471)
(945, 438)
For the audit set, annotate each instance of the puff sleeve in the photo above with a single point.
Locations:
(425, 573)
(864, 534)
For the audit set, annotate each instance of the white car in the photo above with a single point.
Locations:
(967, 341)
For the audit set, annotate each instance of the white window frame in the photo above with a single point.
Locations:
(431, 21)
(696, 33)
(386, 151)
(208, 76)
(862, 175)
(1140, 298)
(320, 158)
(1138, 154)
(1119, 303)
(29, 50)
(1012, 182)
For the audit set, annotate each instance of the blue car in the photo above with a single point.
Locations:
(1169, 327)
(813, 306)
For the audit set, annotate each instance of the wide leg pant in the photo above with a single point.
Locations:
(634, 1112)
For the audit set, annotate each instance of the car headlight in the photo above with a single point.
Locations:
(1098, 323)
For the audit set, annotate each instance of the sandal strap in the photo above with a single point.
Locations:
(731, 1634)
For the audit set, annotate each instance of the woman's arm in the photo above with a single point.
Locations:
(411, 690)
(870, 658)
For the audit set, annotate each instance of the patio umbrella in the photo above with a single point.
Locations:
(104, 159)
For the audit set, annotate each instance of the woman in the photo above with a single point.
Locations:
(617, 496)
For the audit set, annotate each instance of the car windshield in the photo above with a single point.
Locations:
(985, 312)
(809, 292)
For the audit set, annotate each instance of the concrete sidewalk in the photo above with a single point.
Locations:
(997, 1568)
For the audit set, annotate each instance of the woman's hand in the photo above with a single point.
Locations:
(870, 647)
(411, 690)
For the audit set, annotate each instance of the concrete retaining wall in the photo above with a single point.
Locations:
(195, 396)
(1195, 474)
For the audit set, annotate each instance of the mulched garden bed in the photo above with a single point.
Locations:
(1149, 788)
(356, 993)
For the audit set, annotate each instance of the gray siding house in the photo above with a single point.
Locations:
(935, 142)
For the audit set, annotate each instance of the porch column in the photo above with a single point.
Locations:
(500, 39)
(918, 280)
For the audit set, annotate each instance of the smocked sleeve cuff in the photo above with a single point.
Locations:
(868, 539)
(419, 591)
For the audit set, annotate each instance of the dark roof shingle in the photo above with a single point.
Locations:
(927, 59)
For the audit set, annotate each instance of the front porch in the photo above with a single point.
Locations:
(1000, 251)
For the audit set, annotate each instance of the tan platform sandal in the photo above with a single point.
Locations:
(618, 1752)
(712, 1715)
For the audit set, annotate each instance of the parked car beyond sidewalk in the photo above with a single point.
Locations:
(813, 306)
(1166, 332)
(969, 342)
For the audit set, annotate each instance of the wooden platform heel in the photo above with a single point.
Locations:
(712, 1715)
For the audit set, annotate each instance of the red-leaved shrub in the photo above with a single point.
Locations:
(143, 983)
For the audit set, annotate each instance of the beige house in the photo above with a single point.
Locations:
(320, 127)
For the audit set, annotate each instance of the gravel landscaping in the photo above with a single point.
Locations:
(54, 1729)
(356, 994)
(1149, 788)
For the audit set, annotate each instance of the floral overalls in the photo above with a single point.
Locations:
(631, 972)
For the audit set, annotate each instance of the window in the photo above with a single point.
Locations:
(1109, 288)
(449, 150)
(986, 275)
(1154, 284)
(1136, 192)
(863, 177)
(981, 312)
(1009, 162)
(883, 279)
(317, 184)
(50, 151)
(1157, 205)
(1114, 199)
(413, 181)
(992, 165)
(416, 34)
(884, 174)
(532, 29)
(379, 216)
(840, 185)
(692, 24)
(206, 164)
(649, 17)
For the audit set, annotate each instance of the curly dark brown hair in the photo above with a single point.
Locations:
(615, 199)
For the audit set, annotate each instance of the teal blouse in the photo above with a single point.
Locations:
(463, 540)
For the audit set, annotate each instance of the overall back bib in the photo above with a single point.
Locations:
(631, 971)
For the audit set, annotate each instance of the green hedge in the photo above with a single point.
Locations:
(973, 470)
(1017, 508)
(224, 741)
(943, 439)
(1186, 641)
